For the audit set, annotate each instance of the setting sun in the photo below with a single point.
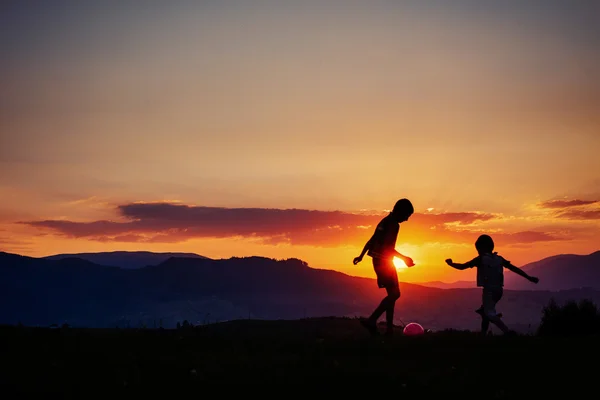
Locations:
(409, 251)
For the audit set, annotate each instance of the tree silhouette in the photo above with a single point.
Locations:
(571, 319)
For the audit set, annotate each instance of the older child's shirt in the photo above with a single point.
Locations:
(384, 239)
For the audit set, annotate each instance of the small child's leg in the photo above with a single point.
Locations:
(500, 324)
(485, 325)
(485, 322)
(491, 296)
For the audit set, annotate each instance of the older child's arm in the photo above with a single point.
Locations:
(467, 265)
(364, 251)
(519, 271)
(407, 260)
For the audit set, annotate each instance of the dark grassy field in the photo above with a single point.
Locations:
(321, 356)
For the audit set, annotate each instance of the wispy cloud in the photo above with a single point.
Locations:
(13, 243)
(576, 209)
(580, 214)
(566, 203)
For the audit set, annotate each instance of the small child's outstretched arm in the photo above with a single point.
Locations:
(467, 265)
(519, 271)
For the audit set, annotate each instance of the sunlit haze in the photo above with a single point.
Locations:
(287, 129)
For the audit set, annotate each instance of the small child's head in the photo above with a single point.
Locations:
(484, 244)
(403, 209)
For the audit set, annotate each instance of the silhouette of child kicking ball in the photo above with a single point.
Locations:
(490, 276)
(381, 247)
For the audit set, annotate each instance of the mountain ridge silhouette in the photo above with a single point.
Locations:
(40, 291)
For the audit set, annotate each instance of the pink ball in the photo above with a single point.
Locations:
(413, 329)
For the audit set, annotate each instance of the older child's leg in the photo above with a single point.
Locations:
(386, 305)
(381, 308)
(393, 295)
(371, 322)
(390, 282)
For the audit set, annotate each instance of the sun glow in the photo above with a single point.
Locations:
(409, 251)
(399, 264)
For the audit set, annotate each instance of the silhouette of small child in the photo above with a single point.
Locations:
(490, 276)
(381, 247)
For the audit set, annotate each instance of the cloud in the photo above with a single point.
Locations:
(525, 237)
(580, 210)
(566, 203)
(580, 215)
(170, 223)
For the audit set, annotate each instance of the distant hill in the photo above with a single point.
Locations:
(561, 272)
(450, 285)
(125, 259)
(41, 291)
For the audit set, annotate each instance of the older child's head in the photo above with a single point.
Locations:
(484, 244)
(403, 209)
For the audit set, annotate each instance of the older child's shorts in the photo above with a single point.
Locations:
(387, 277)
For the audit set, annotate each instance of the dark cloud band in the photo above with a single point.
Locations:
(167, 222)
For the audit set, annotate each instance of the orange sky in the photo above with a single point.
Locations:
(284, 129)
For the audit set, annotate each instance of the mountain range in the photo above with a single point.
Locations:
(125, 259)
(72, 289)
(560, 272)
